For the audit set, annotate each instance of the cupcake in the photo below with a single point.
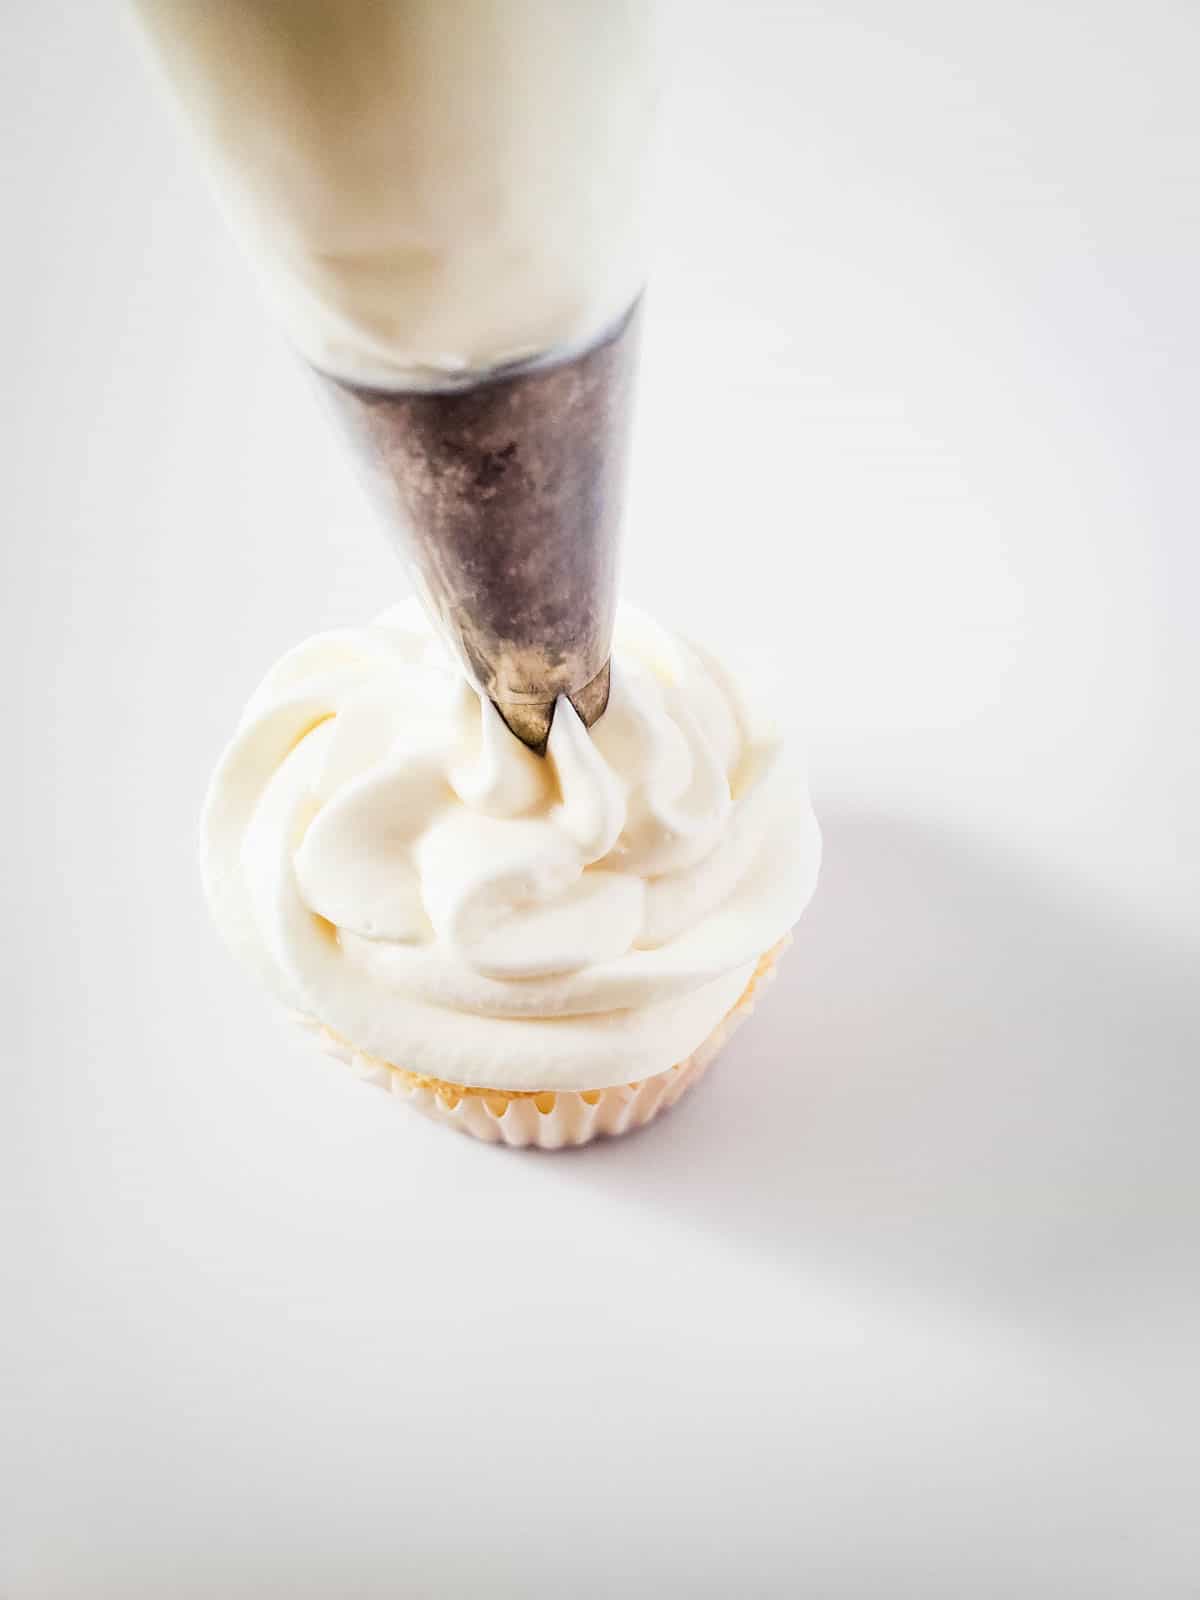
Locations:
(534, 949)
(524, 882)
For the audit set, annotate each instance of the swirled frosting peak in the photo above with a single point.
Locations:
(392, 861)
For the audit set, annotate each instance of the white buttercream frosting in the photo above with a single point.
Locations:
(391, 860)
(428, 188)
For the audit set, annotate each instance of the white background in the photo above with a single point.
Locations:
(904, 1301)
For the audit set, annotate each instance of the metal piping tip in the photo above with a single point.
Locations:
(504, 497)
(531, 721)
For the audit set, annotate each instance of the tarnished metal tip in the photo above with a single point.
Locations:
(591, 701)
(504, 497)
(531, 722)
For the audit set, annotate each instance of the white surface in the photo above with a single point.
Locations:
(903, 1301)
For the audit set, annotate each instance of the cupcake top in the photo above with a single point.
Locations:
(393, 862)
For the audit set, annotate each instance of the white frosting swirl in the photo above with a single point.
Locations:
(391, 860)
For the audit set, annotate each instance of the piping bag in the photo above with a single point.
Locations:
(444, 202)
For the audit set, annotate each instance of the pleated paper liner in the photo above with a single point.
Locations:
(551, 1119)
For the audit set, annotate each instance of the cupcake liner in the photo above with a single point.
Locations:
(553, 1119)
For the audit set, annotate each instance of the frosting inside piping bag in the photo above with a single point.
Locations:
(426, 188)
(392, 861)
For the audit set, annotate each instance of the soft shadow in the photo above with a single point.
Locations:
(966, 1076)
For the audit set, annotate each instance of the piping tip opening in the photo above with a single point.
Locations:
(532, 721)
